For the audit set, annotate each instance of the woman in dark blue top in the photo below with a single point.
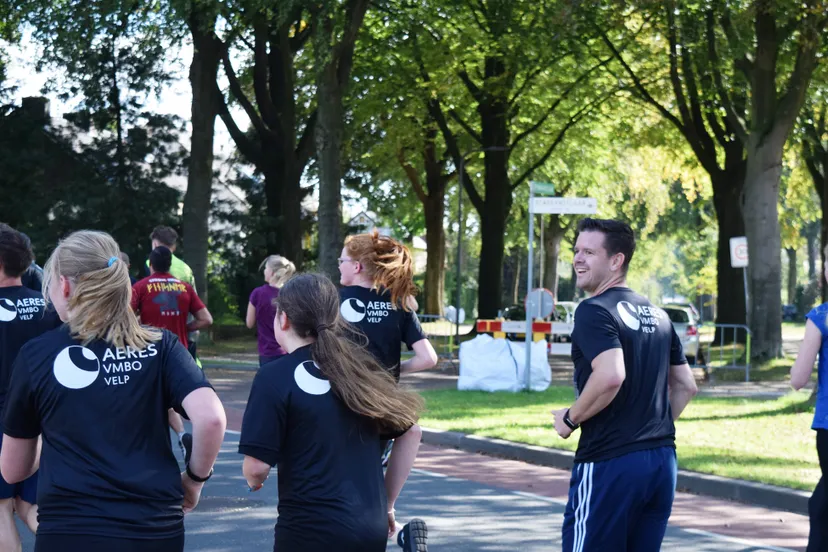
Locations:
(97, 391)
(319, 414)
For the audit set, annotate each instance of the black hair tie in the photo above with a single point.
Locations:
(321, 327)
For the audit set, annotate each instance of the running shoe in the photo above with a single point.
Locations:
(386, 454)
(414, 536)
(186, 443)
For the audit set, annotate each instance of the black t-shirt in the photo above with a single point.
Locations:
(32, 278)
(331, 487)
(23, 316)
(385, 326)
(639, 417)
(107, 466)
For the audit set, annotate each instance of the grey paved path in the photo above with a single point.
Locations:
(463, 516)
(470, 502)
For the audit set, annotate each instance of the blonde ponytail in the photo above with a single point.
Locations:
(99, 305)
(281, 270)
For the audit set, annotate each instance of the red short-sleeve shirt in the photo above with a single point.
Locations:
(164, 302)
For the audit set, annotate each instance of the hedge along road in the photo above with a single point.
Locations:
(471, 503)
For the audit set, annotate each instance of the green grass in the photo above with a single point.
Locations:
(757, 440)
(228, 347)
(228, 319)
(772, 370)
(777, 369)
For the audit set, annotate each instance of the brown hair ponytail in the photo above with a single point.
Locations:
(311, 303)
(387, 262)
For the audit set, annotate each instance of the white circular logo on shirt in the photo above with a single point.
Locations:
(628, 314)
(8, 311)
(310, 379)
(352, 310)
(76, 367)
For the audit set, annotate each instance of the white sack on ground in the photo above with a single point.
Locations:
(488, 364)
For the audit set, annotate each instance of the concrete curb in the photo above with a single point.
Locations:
(221, 365)
(758, 494)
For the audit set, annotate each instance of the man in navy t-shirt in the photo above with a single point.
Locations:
(23, 316)
(632, 381)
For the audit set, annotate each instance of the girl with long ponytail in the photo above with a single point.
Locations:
(319, 413)
(377, 297)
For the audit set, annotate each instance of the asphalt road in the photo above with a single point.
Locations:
(464, 514)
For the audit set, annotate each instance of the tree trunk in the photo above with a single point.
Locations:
(823, 234)
(334, 57)
(204, 109)
(496, 208)
(552, 250)
(811, 241)
(282, 230)
(730, 289)
(791, 275)
(494, 124)
(328, 150)
(490, 274)
(436, 250)
(764, 169)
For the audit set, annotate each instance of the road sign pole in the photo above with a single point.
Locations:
(542, 256)
(530, 268)
(747, 298)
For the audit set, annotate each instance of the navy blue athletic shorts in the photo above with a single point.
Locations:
(621, 504)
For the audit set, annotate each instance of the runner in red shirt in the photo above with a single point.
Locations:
(165, 302)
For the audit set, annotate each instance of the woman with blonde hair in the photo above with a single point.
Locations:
(260, 313)
(97, 391)
(319, 414)
(815, 345)
(377, 296)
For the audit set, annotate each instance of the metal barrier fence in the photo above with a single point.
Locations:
(440, 332)
(729, 361)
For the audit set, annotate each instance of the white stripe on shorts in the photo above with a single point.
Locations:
(582, 512)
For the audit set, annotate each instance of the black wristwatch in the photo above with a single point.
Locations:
(568, 421)
(196, 478)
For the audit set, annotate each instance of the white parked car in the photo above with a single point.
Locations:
(684, 321)
(565, 312)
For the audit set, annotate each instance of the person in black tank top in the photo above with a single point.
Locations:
(377, 295)
(319, 413)
(95, 392)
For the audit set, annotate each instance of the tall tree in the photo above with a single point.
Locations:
(503, 54)
(814, 137)
(686, 94)
(277, 99)
(784, 50)
(112, 58)
(200, 17)
(337, 31)
(397, 141)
